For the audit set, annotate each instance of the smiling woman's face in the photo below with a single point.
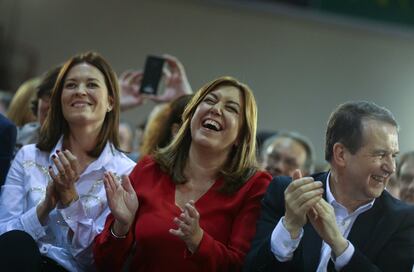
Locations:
(85, 99)
(218, 119)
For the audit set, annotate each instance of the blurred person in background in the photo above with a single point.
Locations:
(163, 125)
(175, 86)
(393, 186)
(19, 111)
(7, 141)
(5, 99)
(29, 133)
(287, 151)
(126, 140)
(405, 177)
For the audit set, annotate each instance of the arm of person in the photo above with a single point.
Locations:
(111, 247)
(110, 250)
(214, 255)
(8, 134)
(84, 226)
(299, 196)
(15, 214)
(260, 256)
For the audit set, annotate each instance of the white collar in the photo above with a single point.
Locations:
(331, 199)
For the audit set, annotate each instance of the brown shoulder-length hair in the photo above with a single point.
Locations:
(241, 163)
(158, 132)
(55, 124)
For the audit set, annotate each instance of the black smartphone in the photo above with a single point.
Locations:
(152, 75)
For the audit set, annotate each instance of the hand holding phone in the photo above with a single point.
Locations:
(152, 75)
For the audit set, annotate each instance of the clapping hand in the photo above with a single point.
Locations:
(188, 227)
(67, 175)
(322, 218)
(48, 204)
(300, 196)
(122, 201)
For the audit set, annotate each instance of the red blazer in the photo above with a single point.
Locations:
(228, 222)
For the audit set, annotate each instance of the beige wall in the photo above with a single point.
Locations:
(299, 69)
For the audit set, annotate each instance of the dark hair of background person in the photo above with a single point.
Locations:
(345, 124)
(158, 132)
(241, 164)
(309, 164)
(56, 125)
(45, 87)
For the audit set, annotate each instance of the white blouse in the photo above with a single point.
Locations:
(25, 188)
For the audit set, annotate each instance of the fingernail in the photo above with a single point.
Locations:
(57, 151)
(53, 156)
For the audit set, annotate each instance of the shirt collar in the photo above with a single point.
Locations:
(101, 162)
(331, 199)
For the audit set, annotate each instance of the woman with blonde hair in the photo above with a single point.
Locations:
(194, 204)
(19, 110)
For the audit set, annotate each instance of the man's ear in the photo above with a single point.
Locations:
(339, 154)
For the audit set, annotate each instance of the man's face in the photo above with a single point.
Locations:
(283, 156)
(406, 181)
(368, 171)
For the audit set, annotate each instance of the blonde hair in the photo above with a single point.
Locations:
(20, 111)
(241, 164)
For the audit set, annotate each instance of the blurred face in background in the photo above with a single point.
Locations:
(284, 156)
(406, 181)
(125, 137)
(42, 108)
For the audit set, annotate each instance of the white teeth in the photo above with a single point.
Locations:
(212, 124)
(378, 178)
(80, 104)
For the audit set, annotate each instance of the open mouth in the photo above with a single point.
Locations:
(211, 124)
(379, 178)
(80, 104)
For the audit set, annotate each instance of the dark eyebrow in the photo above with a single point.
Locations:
(88, 79)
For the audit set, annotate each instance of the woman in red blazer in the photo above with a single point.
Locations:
(193, 205)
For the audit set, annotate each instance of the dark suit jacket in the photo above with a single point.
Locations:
(383, 236)
(7, 142)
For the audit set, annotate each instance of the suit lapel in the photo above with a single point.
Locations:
(365, 226)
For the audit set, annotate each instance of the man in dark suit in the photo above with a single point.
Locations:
(7, 143)
(342, 220)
